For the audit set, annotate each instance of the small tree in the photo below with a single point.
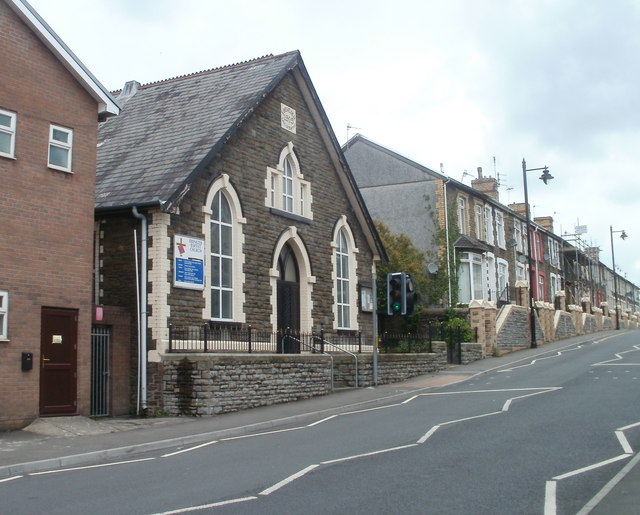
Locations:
(403, 257)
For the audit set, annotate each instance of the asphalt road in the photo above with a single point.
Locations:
(542, 437)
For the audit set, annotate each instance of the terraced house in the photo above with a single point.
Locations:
(480, 245)
(225, 206)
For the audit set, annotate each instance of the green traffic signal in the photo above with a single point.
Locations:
(396, 296)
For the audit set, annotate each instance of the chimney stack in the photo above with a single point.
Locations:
(546, 222)
(130, 89)
(486, 185)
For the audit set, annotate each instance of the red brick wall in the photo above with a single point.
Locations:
(46, 229)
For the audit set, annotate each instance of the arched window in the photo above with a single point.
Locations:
(342, 279)
(286, 190)
(287, 186)
(345, 276)
(223, 227)
(221, 259)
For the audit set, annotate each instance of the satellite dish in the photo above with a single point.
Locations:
(546, 256)
(512, 243)
(432, 268)
(522, 258)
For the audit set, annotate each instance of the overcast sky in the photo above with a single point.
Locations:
(465, 83)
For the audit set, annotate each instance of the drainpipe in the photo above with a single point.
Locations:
(446, 232)
(374, 293)
(142, 314)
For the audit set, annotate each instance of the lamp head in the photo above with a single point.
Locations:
(623, 235)
(546, 176)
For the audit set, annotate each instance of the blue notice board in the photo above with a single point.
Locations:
(188, 262)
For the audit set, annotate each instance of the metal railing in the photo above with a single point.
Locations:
(204, 338)
(324, 342)
(422, 340)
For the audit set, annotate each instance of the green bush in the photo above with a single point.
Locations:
(458, 326)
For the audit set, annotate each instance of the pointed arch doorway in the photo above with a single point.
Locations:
(288, 299)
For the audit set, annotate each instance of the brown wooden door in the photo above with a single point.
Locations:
(58, 361)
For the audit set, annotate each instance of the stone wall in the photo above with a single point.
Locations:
(199, 384)
(512, 322)
(565, 327)
(513, 328)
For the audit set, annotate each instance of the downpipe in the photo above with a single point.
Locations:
(142, 312)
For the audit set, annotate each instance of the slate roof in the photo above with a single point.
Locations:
(170, 130)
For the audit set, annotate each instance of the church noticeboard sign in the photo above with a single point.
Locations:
(188, 262)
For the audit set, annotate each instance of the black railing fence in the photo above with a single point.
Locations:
(422, 340)
(205, 338)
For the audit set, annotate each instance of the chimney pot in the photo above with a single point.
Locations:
(479, 172)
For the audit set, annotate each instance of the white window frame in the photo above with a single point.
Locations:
(503, 277)
(462, 215)
(491, 286)
(517, 234)
(488, 224)
(64, 145)
(4, 315)
(223, 186)
(287, 186)
(471, 266)
(521, 272)
(11, 131)
(554, 252)
(286, 189)
(218, 288)
(345, 307)
(502, 242)
(541, 294)
(554, 284)
(342, 281)
(479, 222)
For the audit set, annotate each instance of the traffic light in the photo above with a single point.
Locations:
(397, 293)
(411, 296)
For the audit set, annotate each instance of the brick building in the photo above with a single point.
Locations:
(230, 185)
(49, 109)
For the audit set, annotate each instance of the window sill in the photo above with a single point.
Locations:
(59, 169)
(291, 216)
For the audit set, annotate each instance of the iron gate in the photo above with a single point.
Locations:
(100, 351)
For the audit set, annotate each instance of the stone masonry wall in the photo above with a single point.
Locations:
(198, 384)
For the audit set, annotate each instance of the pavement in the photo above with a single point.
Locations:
(55, 442)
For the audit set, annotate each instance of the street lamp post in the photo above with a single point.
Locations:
(623, 235)
(545, 177)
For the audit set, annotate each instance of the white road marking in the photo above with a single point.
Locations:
(266, 433)
(206, 506)
(372, 453)
(101, 465)
(628, 452)
(288, 480)
(428, 434)
(550, 498)
(609, 486)
(169, 455)
(321, 421)
(10, 479)
(626, 447)
(618, 357)
(591, 467)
